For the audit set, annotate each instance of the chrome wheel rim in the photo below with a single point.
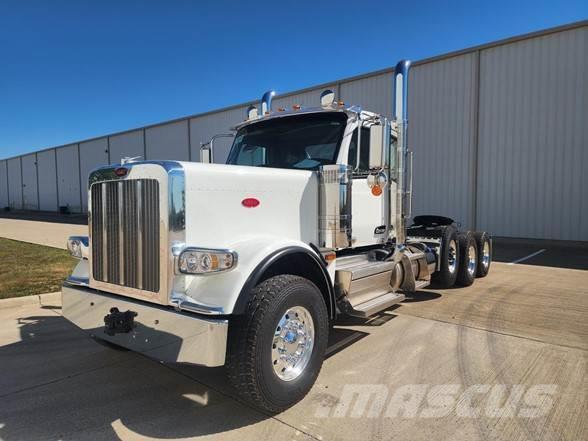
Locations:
(293, 343)
(472, 260)
(452, 257)
(486, 254)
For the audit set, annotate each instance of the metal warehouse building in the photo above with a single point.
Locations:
(499, 134)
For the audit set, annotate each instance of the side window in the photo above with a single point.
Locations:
(364, 152)
(252, 155)
(321, 151)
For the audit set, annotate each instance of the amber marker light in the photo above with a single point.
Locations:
(376, 190)
(330, 257)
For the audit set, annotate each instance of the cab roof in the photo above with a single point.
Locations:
(352, 111)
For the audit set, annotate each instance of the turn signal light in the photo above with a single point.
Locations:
(330, 257)
(376, 190)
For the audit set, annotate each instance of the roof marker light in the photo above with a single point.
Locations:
(327, 98)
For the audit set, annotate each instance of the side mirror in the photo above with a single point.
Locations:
(376, 147)
(207, 148)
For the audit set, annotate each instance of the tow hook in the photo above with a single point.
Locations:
(119, 322)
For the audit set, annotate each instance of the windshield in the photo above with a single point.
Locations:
(304, 141)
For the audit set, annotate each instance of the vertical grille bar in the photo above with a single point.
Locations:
(104, 235)
(121, 248)
(125, 233)
(139, 237)
(112, 232)
(97, 265)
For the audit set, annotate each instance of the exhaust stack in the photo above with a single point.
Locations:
(400, 115)
(266, 102)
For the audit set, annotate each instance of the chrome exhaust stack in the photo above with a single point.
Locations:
(266, 102)
(400, 116)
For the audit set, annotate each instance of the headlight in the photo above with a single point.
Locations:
(78, 246)
(199, 261)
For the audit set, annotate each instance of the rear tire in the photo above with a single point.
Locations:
(449, 256)
(484, 243)
(468, 260)
(276, 349)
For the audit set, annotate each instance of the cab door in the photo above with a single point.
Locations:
(367, 210)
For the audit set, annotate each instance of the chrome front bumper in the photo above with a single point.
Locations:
(158, 332)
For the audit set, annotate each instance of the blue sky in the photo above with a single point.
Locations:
(78, 69)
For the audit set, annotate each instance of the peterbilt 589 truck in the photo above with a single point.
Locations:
(247, 264)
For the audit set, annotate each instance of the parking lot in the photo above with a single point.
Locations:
(524, 325)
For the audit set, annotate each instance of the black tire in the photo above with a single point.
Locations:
(468, 259)
(449, 256)
(482, 238)
(250, 358)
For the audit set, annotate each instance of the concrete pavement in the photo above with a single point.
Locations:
(521, 327)
(43, 233)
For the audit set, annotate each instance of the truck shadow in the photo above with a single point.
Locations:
(45, 216)
(56, 383)
(341, 337)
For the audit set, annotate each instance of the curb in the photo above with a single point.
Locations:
(38, 299)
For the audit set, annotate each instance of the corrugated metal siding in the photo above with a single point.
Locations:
(68, 173)
(30, 199)
(442, 113)
(14, 184)
(533, 152)
(130, 144)
(373, 93)
(3, 185)
(204, 127)
(168, 141)
(47, 180)
(93, 154)
(513, 166)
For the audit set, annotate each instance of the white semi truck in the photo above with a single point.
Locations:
(247, 264)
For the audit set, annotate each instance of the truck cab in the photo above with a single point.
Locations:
(246, 264)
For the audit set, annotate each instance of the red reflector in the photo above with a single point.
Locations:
(121, 171)
(250, 202)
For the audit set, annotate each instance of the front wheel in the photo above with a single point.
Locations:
(276, 349)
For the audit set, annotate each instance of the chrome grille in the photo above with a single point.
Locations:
(125, 233)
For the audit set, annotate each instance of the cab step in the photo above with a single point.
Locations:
(375, 305)
(418, 284)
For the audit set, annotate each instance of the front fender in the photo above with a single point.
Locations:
(220, 291)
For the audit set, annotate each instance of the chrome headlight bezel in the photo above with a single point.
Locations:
(196, 261)
(78, 246)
